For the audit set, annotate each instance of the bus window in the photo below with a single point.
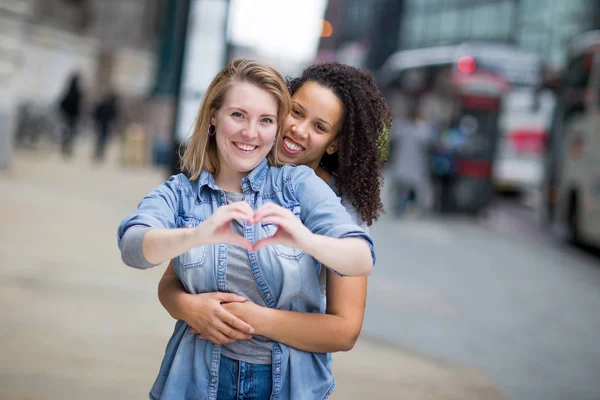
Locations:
(578, 73)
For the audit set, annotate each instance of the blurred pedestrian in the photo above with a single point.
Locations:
(70, 109)
(411, 141)
(105, 115)
(230, 162)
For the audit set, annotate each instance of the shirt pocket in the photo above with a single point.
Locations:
(287, 252)
(196, 257)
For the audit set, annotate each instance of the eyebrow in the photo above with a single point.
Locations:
(319, 119)
(246, 112)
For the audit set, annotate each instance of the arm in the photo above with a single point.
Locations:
(202, 312)
(324, 230)
(161, 241)
(321, 333)
(160, 245)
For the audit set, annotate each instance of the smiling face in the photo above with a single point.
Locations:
(311, 128)
(246, 128)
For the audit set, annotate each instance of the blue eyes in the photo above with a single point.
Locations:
(265, 120)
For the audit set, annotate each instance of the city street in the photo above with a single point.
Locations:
(75, 323)
(498, 294)
(456, 307)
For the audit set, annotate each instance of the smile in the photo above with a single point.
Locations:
(291, 147)
(247, 148)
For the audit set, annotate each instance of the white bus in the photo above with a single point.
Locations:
(526, 114)
(573, 178)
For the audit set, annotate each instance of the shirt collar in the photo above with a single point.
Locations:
(255, 178)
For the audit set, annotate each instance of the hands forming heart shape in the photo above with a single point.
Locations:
(290, 230)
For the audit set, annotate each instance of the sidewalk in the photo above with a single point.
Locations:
(75, 323)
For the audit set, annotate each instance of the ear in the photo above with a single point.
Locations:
(332, 148)
(213, 117)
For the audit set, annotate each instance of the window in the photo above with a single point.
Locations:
(577, 75)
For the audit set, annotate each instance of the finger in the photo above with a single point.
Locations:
(235, 322)
(234, 238)
(218, 338)
(243, 207)
(268, 210)
(237, 214)
(231, 333)
(229, 297)
(272, 240)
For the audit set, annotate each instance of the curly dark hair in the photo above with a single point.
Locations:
(361, 141)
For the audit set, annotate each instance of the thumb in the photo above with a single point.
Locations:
(229, 297)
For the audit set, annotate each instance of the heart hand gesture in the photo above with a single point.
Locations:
(217, 228)
(290, 230)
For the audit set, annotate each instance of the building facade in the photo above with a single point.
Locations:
(541, 26)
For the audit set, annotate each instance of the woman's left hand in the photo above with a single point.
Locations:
(290, 232)
(246, 311)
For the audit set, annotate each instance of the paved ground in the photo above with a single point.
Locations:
(75, 323)
(499, 294)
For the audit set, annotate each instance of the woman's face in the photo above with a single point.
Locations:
(246, 127)
(312, 126)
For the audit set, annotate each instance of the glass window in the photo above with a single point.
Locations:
(578, 73)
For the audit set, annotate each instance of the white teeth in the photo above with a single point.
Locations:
(292, 146)
(245, 147)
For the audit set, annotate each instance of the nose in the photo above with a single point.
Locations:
(250, 131)
(300, 130)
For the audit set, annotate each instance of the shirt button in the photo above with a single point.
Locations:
(213, 380)
(221, 263)
(190, 225)
(268, 295)
(277, 369)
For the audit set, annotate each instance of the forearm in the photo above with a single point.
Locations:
(313, 332)
(347, 256)
(173, 296)
(160, 245)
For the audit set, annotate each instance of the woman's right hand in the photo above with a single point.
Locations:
(207, 317)
(217, 228)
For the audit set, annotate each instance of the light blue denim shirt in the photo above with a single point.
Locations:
(286, 277)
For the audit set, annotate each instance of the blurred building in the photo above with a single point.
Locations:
(544, 27)
(365, 33)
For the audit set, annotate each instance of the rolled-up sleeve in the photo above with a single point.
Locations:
(321, 210)
(157, 210)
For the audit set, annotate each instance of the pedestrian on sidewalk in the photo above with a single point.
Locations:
(335, 132)
(265, 253)
(411, 141)
(70, 109)
(105, 115)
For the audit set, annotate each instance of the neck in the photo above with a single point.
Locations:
(321, 173)
(230, 182)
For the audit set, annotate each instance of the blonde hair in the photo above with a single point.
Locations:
(201, 151)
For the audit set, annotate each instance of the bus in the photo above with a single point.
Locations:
(526, 113)
(572, 180)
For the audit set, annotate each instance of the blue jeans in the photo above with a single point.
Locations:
(239, 380)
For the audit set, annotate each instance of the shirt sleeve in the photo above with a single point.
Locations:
(131, 247)
(157, 210)
(321, 210)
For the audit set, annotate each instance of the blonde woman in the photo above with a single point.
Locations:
(243, 226)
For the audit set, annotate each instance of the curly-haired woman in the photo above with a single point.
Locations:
(336, 127)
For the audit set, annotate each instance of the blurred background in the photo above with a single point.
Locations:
(487, 283)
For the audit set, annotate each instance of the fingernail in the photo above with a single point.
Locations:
(251, 330)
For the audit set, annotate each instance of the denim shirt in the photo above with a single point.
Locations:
(286, 277)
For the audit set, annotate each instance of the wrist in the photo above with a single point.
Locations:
(185, 303)
(311, 243)
(261, 320)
